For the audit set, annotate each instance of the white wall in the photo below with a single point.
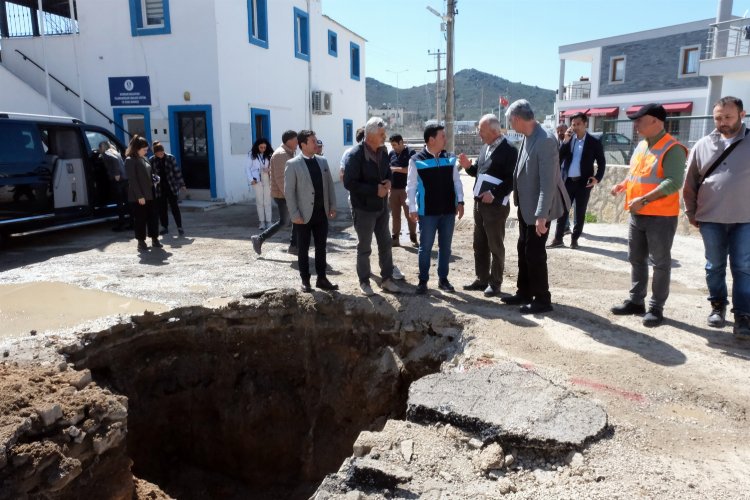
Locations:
(18, 97)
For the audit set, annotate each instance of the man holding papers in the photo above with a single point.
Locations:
(493, 170)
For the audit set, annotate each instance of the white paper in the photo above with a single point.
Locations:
(482, 184)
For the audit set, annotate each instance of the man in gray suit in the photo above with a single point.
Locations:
(311, 198)
(540, 197)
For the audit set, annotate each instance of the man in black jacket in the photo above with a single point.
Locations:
(368, 177)
(496, 162)
(578, 152)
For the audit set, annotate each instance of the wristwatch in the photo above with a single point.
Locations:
(645, 201)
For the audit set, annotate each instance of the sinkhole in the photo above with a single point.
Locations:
(262, 399)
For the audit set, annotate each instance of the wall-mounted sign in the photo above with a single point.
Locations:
(129, 91)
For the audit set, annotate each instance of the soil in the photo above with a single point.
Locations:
(677, 395)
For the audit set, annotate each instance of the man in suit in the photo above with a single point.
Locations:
(540, 196)
(498, 159)
(311, 198)
(578, 152)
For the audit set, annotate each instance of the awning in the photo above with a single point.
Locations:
(672, 107)
(571, 112)
(604, 111)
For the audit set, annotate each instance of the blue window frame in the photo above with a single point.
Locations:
(257, 22)
(149, 17)
(260, 120)
(354, 61)
(333, 43)
(348, 132)
(301, 34)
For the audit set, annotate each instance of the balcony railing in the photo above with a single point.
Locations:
(577, 90)
(728, 39)
(20, 21)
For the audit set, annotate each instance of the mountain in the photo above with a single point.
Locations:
(469, 85)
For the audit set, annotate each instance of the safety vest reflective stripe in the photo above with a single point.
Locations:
(647, 172)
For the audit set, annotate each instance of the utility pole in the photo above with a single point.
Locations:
(397, 111)
(438, 55)
(450, 98)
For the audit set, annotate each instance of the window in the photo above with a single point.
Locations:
(257, 21)
(301, 35)
(348, 132)
(20, 143)
(689, 57)
(617, 69)
(333, 43)
(354, 60)
(149, 17)
(261, 123)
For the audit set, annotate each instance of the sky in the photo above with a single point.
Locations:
(514, 39)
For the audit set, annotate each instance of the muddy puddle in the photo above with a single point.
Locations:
(45, 306)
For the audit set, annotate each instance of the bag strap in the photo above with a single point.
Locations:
(721, 158)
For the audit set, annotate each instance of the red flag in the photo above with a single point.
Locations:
(503, 101)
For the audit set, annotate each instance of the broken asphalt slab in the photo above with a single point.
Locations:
(507, 403)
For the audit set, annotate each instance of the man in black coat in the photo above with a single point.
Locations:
(496, 162)
(578, 152)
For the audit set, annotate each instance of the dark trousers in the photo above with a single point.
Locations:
(579, 194)
(533, 281)
(366, 224)
(489, 247)
(120, 195)
(145, 219)
(650, 238)
(283, 221)
(171, 200)
(317, 229)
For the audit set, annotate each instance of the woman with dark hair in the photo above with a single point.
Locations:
(258, 172)
(141, 193)
(165, 166)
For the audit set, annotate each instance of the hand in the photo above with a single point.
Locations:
(382, 190)
(141, 201)
(460, 210)
(463, 161)
(592, 182)
(637, 204)
(414, 216)
(487, 197)
(541, 226)
(298, 220)
(568, 134)
(332, 214)
(617, 189)
(253, 182)
(694, 222)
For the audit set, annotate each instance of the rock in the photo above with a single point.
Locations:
(407, 449)
(574, 459)
(50, 414)
(376, 474)
(489, 458)
(6, 354)
(113, 437)
(81, 379)
(365, 442)
(62, 366)
(506, 403)
(509, 460)
(495, 474)
(3, 457)
(505, 486)
(59, 476)
(446, 476)
(475, 443)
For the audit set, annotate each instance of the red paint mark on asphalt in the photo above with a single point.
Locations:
(528, 366)
(632, 396)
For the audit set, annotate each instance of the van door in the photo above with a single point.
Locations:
(69, 183)
(100, 189)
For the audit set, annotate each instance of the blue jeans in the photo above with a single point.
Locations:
(443, 226)
(721, 240)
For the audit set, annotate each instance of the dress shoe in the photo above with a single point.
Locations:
(366, 289)
(395, 242)
(305, 287)
(515, 300)
(155, 243)
(421, 288)
(536, 308)
(628, 307)
(257, 243)
(741, 328)
(445, 285)
(164, 230)
(555, 243)
(142, 247)
(654, 317)
(717, 318)
(180, 231)
(414, 241)
(491, 290)
(475, 285)
(574, 244)
(324, 284)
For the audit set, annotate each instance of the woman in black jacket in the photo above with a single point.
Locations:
(141, 193)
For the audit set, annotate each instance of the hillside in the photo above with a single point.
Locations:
(469, 84)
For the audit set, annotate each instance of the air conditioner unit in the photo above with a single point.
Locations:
(322, 102)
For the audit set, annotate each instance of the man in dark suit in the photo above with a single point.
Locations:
(496, 159)
(578, 152)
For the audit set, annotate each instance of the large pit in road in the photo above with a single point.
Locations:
(263, 399)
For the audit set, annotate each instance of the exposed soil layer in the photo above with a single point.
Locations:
(261, 400)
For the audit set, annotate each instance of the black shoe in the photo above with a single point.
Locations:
(257, 243)
(324, 284)
(414, 241)
(292, 250)
(142, 247)
(654, 317)
(305, 287)
(717, 318)
(555, 243)
(536, 308)
(180, 231)
(475, 285)
(574, 244)
(515, 300)
(155, 243)
(445, 286)
(628, 307)
(395, 242)
(421, 288)
(741, 328)
(164, 231)
(491, 290)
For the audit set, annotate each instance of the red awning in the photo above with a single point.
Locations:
(604, 111)
(571, 112)
(672, 107)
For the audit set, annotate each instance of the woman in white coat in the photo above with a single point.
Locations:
(259, 177)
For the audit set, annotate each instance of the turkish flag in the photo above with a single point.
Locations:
(503, 101)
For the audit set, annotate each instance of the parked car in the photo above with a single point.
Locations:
(617, 143)
(51, 174)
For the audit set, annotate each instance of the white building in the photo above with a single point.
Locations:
(205, 77)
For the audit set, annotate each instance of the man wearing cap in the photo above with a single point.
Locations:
(652, 196)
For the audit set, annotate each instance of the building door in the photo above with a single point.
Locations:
(261, 123)
(132, 121)
(194, 153)
(134, 124)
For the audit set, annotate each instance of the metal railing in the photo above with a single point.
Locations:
(22, 21)
(728, 39)
(577, 90)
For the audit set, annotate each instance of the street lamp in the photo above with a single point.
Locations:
(397, 72)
